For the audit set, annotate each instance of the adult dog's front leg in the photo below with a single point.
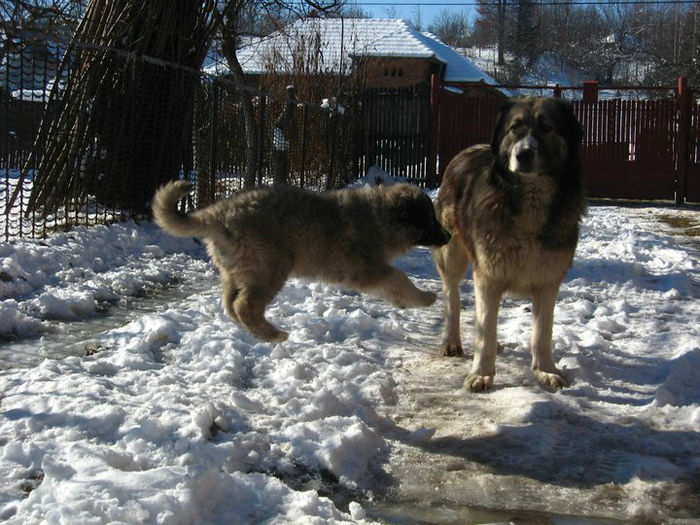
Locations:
(452, 262)
(488, 298)
(543, 366)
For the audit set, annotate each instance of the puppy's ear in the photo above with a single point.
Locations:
(500, 122)
(415, 210)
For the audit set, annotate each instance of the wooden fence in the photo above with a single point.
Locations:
(318, 143)
(693, 177)
(629, 148)
(396, 132)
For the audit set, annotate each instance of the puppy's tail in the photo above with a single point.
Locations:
(166, 214)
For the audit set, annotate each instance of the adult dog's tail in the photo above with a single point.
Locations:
(167, 216)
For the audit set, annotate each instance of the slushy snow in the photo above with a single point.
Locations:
(174, 414)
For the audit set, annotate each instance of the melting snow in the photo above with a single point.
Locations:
(173, 414)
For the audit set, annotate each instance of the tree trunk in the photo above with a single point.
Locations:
(229, 30)
(249, 122)
(501, 29)
(118, 130)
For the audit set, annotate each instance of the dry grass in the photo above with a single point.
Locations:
(686, 225)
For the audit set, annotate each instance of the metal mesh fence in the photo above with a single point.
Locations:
(322, 145)
(108, 169)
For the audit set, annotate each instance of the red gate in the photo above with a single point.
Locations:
(464, 121)
(692, 189)
(628, 148)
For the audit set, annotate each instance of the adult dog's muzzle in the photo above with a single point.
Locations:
(524, 156)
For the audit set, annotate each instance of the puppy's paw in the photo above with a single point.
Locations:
(477, 383)
(417, 298)
(550, 380)
(279, 337)
(270, 334)
(451, 349)
(426, 298)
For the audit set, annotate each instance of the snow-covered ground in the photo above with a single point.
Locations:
(172, 414)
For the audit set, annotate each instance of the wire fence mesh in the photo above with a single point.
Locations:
(49, 121)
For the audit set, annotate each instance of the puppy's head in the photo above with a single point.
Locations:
(415, 213)
(536, 135)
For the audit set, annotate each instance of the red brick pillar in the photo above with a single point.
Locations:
(590, 91)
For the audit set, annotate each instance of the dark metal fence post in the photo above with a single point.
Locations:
(360, 144)
(214, 139)
(282, 138)
(331, 127)
(302, 162)
(261, 138)
(6, 160)
(684, 109)
(432, 178)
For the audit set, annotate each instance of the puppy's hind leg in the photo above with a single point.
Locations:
(229, 292)
(452, 262)
(249, 307)
(259, 276)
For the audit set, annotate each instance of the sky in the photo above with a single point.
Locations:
(412, 10)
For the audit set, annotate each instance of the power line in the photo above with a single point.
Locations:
(537, 3)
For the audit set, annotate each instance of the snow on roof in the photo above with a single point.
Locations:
(338, 40)
(459, 68)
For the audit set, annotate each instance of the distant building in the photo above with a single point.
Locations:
(390, 53)
(28, 70)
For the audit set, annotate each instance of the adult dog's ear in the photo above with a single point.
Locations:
(500, 123)
(574, 130)
(577, 129)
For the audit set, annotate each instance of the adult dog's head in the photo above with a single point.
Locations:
(536, 135)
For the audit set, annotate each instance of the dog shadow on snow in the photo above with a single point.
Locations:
(601, 270)
(559, 446)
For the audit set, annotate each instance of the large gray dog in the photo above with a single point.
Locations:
(513, 208)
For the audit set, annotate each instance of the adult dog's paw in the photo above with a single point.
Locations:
(550, 380)
(451, 349)
(477, 383)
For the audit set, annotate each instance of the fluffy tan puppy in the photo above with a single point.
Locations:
(259, 238)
